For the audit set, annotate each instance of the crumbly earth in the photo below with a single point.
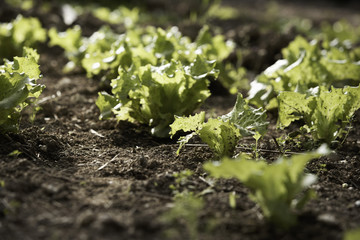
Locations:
(81, 178)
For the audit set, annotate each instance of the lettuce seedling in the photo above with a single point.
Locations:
(306, 65)
(222, 134)
(70, 41)
(18, 88)
(152, 95)
(79, 49)
(216, 48)
(185, 211)
(325, 115)
(120, 15)
(22, 32)
(279, 188)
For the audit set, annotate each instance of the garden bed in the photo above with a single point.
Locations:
(81, 178)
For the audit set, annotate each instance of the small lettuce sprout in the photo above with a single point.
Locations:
(185, 211)
(280, 188)
(223, 133)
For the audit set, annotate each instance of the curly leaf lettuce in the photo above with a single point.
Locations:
(120, 15)
(153, 95)
(279, 188)
(70, 40)
(104, 52)
(223, 133)
(214, 47)
(221, 136)
(22, 32)
(246, 118)
(325, 115)
(306, 65)
(18, 88)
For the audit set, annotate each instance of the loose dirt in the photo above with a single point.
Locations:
(81, 178)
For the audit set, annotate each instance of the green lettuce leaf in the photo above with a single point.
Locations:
(18, 88)
(104, 52)
(279, 188)
(70, 40)
(187, 124)
(22, 32)
(120, 15)
(223, 133)
(222, 137)
(324, 115)
(247, 119)
(153, 95)
(213, 47)
(306, 65)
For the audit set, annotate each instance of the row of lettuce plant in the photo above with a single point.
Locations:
(306, 67)
(316, 83)
(19, 72)
(159, 76)
(309, 84)
(105, 51)
(108, 55)
(111, 55)
(155, 74)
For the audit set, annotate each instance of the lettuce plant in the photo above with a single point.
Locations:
(307, 65)
(70, 41)
(152, 95)
(18, 88)
(341, 30)
(19, 33)
(119, 15)
(223, 133)
(325, 115)
(280, 188)
(105, 51)
(185, 211)
(221, 136)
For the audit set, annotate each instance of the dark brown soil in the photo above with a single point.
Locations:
(81, 178)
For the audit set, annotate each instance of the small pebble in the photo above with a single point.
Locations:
(357, 203)
(327, 218)
(345, 185)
